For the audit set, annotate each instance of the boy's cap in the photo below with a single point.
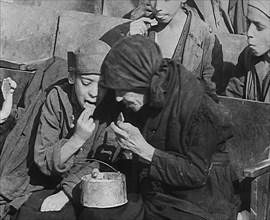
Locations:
(88, 57)
(261, 5)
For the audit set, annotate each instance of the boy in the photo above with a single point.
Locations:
(251, 78)
(71, 130)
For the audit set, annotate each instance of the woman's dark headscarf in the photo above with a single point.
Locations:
(134, 63)
(131, 64)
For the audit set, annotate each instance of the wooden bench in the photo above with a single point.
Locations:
(249, 149)
(250, 154)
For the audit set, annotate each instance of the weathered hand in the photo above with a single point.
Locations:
(54, 202)
(85, 126)
(140, 26)
(130, 138)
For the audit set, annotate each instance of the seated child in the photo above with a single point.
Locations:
(69, 134)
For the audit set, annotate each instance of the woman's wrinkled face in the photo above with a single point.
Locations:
(133, 100)
(258, 31)
(86, 89)
(165, 10)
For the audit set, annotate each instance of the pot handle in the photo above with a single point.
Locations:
(91, 159)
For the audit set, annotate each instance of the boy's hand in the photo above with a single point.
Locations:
(85, 126)
(54, 202)
(141, 26)
(8, 87)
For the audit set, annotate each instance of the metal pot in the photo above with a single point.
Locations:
(106, 190)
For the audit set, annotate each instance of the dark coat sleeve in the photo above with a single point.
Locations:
(206, 135)
(116, 33)
(212, 60)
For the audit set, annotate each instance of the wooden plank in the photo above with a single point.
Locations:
(90, 6)
(259, 197)
(27, 32)
(251, 141)
(118, 8)
(78, 27)
(232, 46)
(10, 65)
(258, 169)
(268, 205)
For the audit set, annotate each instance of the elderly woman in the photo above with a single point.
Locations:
(177, 133)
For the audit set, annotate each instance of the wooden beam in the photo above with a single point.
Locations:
(259, 197)
(258, 169)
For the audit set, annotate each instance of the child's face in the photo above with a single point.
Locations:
(165, 10)
(86, 89)
(258, 31)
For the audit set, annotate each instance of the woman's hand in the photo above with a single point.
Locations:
(54, 202)
(85, 126)
(130, 138)
(141, 26)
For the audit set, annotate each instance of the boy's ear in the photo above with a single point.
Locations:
(71, 77)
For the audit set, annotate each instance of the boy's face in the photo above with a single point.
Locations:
(165, 10)
(86, 89)
(258, 31)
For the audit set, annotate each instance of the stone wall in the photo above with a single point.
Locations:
(92, 6)
(27, 33)
(30, 33)
(116, 8)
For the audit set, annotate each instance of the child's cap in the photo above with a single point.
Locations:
(88, 57)
(261, 5)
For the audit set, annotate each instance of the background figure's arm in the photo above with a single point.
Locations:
(8, 87)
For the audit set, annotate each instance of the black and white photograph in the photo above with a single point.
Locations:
(134, 109)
